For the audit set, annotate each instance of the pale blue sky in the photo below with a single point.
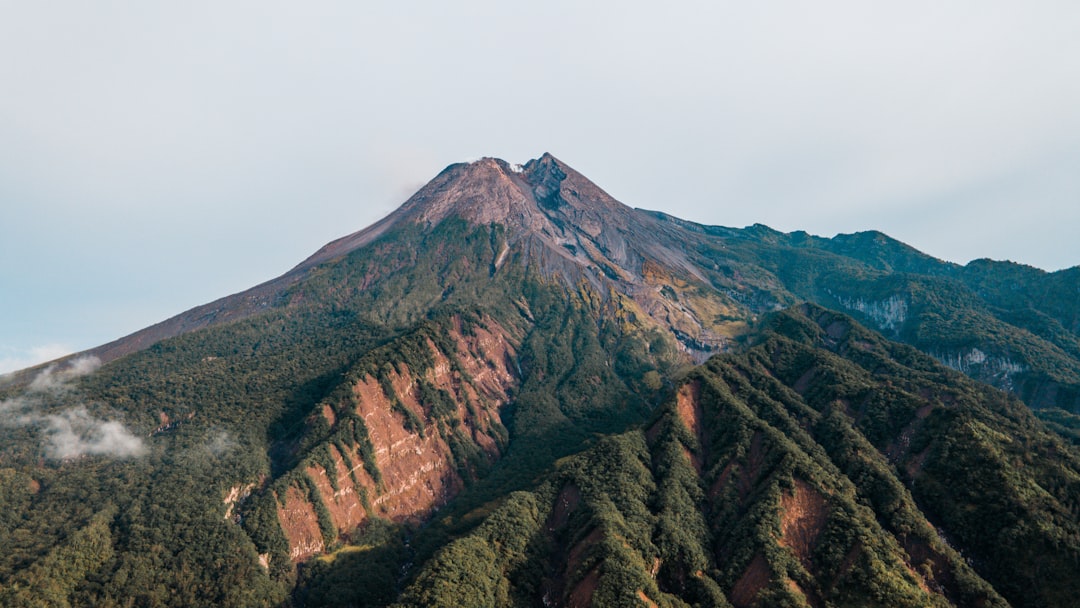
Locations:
(154, 158)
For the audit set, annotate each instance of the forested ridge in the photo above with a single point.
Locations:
(580, 404)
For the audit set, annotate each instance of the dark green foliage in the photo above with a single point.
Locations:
(473, 570)
(1025, 322)
(1064, 423)
(53, 579)
(363, 574)
(975, 459)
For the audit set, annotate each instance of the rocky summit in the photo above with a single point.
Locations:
(514, 390)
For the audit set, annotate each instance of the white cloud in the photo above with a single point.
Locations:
(220, 443)
(75, 432)
(68, 428)
(56, 377)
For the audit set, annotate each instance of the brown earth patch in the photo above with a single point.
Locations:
(645, 598)
(346, 510)
(795, 588)
(802, 517)
(653, 431)
(752, 581)
(581, 596)
(941, 578)
(300, 525)
(688, 406)
(565, 562)
(366, 485)
(573, 559)
(692, 459)
(491, 360)
(418, 473)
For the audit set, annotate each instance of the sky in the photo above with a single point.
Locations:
(156, 156)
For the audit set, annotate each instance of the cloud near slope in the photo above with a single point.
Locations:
(68, 428)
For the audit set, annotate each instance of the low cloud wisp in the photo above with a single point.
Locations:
(75, 432)
(55, 378)
(68, 430)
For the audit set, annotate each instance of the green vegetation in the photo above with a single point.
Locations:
(818, 408)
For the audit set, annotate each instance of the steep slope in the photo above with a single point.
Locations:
(465, 401)
(1012, 326)
(824, 466)
(401, 436)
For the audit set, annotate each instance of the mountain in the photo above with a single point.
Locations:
(515, 390)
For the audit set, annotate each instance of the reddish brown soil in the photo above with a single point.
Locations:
(573, 559)
(648, 602)
(581, 596)
(942, 578)
(802, 517)
(796, 589)
(653, 431)
(721, 480)
(693, 459)
(915, 465)
(837, 329)
(300, 525)
(418, 474)
(753, 580)
(688, 406)
(346, 510)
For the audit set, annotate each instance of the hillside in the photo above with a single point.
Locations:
(515, 390)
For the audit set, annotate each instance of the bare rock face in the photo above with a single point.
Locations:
(417, 465)
(547, 205)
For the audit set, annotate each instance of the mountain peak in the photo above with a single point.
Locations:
(544, 196)
(491, 190)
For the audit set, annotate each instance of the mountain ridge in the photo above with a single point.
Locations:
(568, 228)
(515, 390)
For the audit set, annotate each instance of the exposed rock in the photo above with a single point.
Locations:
(236, 494)
(418, 468)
